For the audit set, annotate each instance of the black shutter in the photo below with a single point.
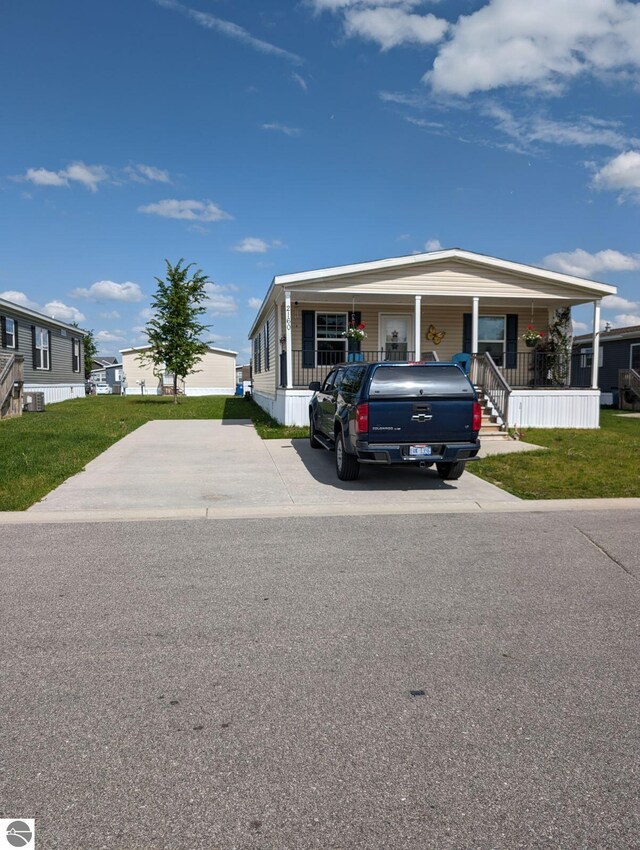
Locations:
(512, 341)
(49, 352)
(16, 344)
(3, 327)
(308, 339)
(466, 333)
(33, 347)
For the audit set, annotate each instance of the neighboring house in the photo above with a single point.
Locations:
(53, 352)
(108, 375)
(618, 356)
(427, 306)
(102, 362)
(215, 375)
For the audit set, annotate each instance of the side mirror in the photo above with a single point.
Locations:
(314, 386)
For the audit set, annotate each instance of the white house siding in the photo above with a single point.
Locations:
(265, 380)
(554, 409)
(56, 392)
(135, 372)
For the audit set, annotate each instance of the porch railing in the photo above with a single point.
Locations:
(310, 365)
(486, 374)
(540, 369)
(629, 382)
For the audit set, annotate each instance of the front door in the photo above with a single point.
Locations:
(396, 336)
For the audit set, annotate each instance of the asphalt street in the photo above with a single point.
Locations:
(465, 682)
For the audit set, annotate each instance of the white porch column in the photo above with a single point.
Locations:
(595, 345)
(475, 312)
(417, 329)
(287, 330)
(278, 344)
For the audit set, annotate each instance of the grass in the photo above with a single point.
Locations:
(38, 451)
(575, 464)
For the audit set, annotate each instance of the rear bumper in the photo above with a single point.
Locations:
(388, 453)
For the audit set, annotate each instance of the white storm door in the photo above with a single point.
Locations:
(396, 336)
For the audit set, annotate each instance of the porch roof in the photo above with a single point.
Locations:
(441, 277)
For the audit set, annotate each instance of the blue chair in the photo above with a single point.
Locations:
(463, 360)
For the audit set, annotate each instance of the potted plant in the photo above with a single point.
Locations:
(532, 337)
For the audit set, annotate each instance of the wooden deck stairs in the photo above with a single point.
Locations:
(491, 428)
(11, 382)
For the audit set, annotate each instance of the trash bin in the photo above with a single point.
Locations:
(239, 389)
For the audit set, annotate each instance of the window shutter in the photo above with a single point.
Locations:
(33, 347)
(3, 327)
(49, 351)
(466, 333)
(16, 344)
(308, 339)
(512, 341)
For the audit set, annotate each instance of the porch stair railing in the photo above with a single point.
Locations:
(629, 384)
(11, 382)
(486, 375)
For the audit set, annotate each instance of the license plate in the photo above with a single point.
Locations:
(419, 451)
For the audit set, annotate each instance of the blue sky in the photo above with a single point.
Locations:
(257, 138)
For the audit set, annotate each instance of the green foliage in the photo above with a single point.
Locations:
(175, 331)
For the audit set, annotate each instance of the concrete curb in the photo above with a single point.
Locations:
(281, 511)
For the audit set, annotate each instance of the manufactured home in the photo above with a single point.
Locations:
(214, 375)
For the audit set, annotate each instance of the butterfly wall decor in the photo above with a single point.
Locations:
(434, 335)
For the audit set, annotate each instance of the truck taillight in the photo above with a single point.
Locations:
(476, 417)
(362, 418)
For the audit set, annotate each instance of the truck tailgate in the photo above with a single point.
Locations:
(416, 420)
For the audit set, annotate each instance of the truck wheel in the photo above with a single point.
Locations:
(450, 471)
(347, 466)
(312, 435)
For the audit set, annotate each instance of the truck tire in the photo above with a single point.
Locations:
(312, 435)
(347, 466)
(450, 471)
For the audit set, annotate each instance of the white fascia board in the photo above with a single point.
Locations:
(451, 254)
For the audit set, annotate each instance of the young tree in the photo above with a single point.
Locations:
(175, 330)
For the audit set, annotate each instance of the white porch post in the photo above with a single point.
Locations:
(596, 345)
(278, 343)
(287, 327)
(417, 330)
(474, 324)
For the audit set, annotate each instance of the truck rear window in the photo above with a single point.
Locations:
(410, 381)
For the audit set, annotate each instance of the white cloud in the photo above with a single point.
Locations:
(251, 245)
(42, 177)
(147, 174)
(231, 30)
(146, 313)
(432, 245)
(579, 327)
(621, 173)
(110, 314)
(541, 45)
(108, 290)
(297, 78)
(254, 303)
(19, 298)
(103, 337)
(58, 310)
(188, 210)
(218, 302)
(616, 302)
(625, 320)
(282, 128)
(583, 264)
(391, 27)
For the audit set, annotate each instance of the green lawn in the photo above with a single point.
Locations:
(38, 451)
(574, 465)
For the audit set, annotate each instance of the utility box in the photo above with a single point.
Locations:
(33, 402)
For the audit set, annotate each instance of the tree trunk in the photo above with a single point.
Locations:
(175, 388)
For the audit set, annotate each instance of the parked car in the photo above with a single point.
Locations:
(396, 413)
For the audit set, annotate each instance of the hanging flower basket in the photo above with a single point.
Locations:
(532, 337)
(355, 332)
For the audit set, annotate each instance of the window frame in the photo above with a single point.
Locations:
(631, 347)
(41, 332)
(13, 332)
(341, 339)
(75, 358)
(502, 341)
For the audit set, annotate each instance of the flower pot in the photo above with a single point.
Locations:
(531, 343)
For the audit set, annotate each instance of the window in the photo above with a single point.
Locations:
(352, 379)
(491, 337)
(41, 348)
(634, 360)
(331, 346)
(329, 381)
(586, 357)
(267, 364)
(9, 333)
(257, 353)
(75, 357)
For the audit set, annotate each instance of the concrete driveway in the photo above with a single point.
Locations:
(224, 464)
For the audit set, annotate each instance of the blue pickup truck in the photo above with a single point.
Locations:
(396, 413)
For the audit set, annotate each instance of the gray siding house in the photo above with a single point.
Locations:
(619, 353)
(53, 351)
